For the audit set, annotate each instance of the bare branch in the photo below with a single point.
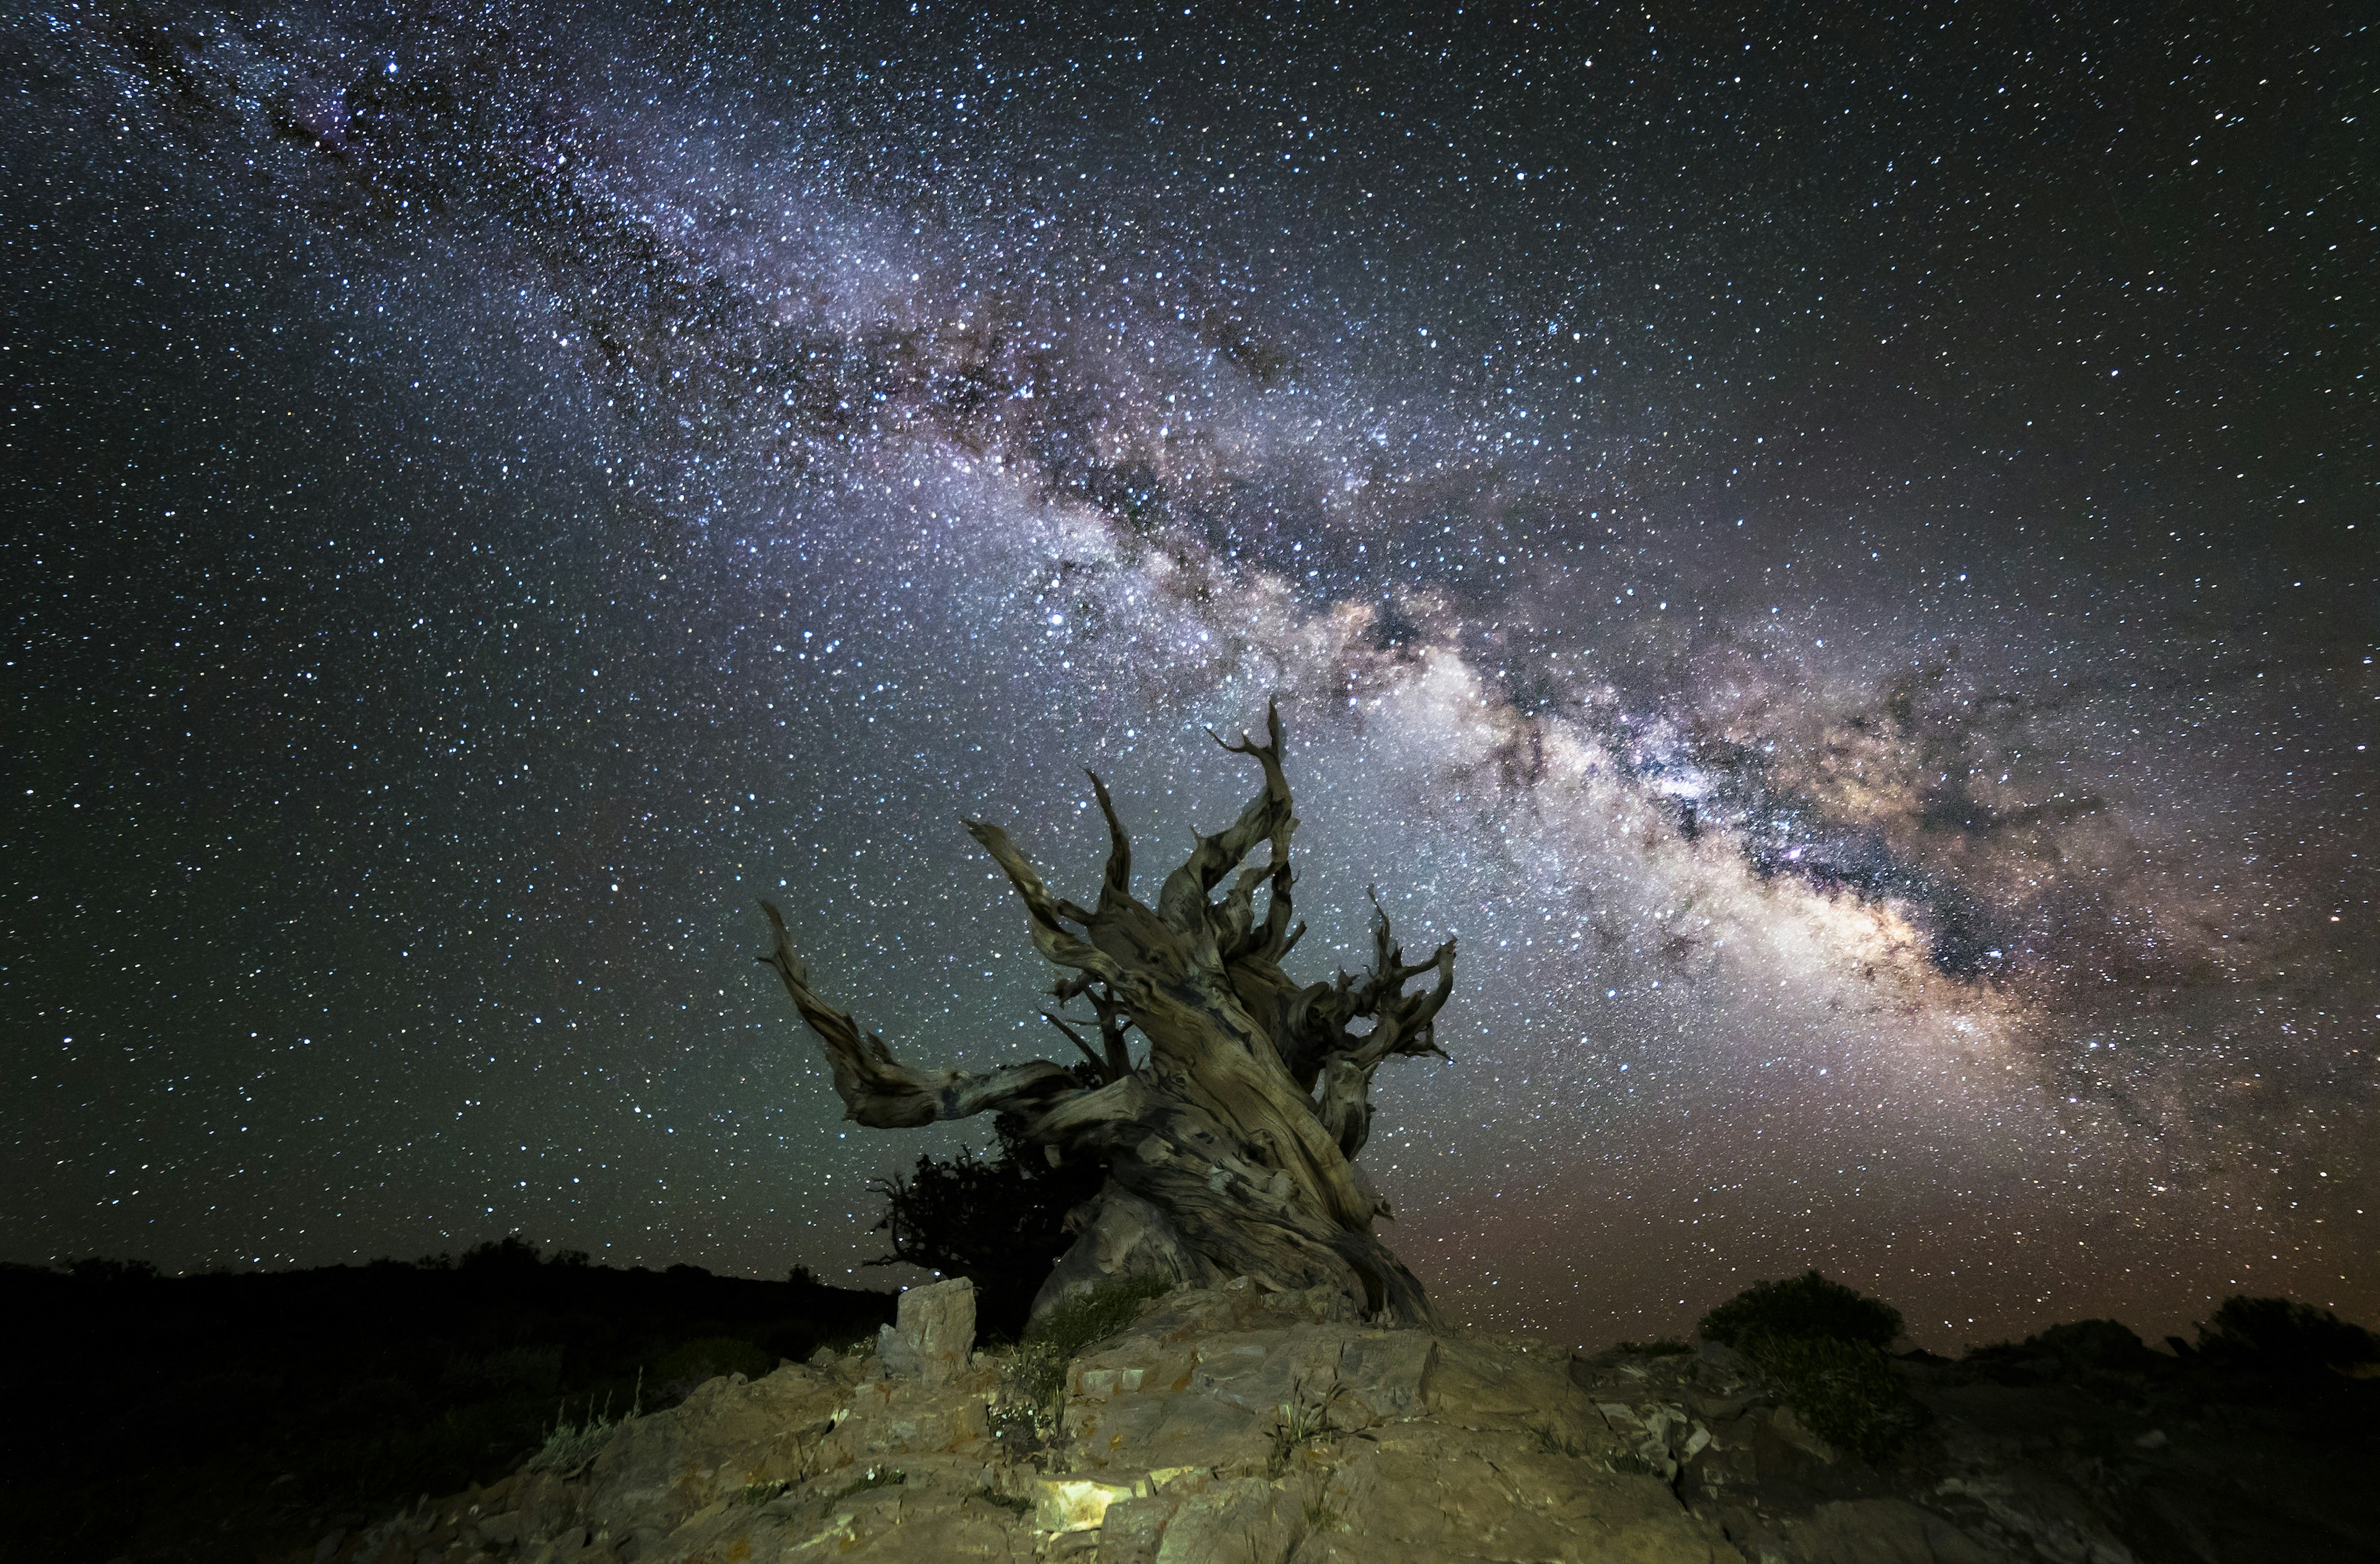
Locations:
(1116, 888)
(1278, 937)
(1058, 945)
(1114, 1024)
(882, 1093)
(1076, 1039)
(1403, 1023)
(1269, 817)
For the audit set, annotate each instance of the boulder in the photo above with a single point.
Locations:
(934, 1333)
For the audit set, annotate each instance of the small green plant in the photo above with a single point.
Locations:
(1635, 1463)
(874, 1477)
(570, 1448)
(1806, 1307)
(1555, 1441)
(1093, 1316)
(1303, 1419)
(1037, 1377)
(1038, 1372)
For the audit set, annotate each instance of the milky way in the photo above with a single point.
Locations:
(1835, 561)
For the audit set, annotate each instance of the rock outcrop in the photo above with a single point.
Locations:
(2148, 1465)
(932, 1337)
(1225, 1424)
(1231, 1424)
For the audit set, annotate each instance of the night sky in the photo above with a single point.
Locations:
(1836, 554)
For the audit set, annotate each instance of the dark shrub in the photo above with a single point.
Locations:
(511, 1253)
(2281, 1336)
(1823, 1345)
(1846, 1392)
(99, 1269)
(1808, 1307)
(1000, 1221)
(2066, 1354)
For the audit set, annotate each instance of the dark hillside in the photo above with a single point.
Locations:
(227, 1416)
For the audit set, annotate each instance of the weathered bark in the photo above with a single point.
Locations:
(1252, 1095)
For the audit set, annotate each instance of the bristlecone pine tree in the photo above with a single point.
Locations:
(1252, 1095)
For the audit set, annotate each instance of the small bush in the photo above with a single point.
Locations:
(1095, 1315)
(569, 1447)
(1808, 1307)
(1305, 1418)
(2068, 1354)
(2282, 1335)
(1659, 1347)
(1846, 1392)
(1824, 1345)
(1000, 1221)
(1553, 1439)
(1038, 1376)
(1038, 1371)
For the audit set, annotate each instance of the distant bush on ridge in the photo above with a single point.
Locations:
(1823, 1344)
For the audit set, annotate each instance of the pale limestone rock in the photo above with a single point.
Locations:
(1075, 1504)
(934, 1333)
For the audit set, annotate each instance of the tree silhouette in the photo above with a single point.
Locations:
(1249, 1096)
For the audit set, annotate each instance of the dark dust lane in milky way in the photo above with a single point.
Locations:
(1837, 560)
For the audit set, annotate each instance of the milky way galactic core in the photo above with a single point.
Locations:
(1836, 559)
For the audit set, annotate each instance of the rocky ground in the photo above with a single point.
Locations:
(1229, 1425)
(2105, 1456)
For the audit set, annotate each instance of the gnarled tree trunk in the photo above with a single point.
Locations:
(1243, 1116)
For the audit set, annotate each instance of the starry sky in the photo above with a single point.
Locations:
(1833, 549)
